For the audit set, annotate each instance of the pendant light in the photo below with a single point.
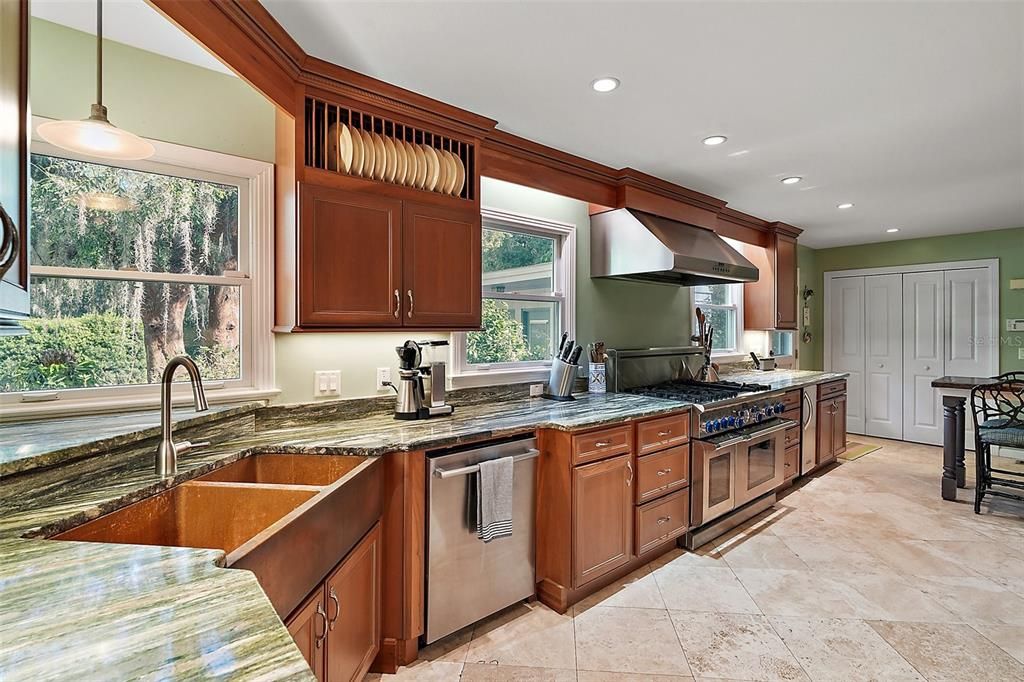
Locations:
(96, 136)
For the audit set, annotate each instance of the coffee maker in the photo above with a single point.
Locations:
(420, 389)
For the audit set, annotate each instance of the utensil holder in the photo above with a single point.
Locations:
(561, 380)
(596, 379)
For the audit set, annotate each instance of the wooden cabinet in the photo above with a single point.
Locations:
(353, 604)
(662, 520)
(369, 261)
(771, 301)
(602, 517)
(831, 421)
(441, 266)
(308, 627)
(662, 472)
(337, 628)
(14, 121)
(657, 434)
(595, 445)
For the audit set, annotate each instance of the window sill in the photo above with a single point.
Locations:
(84, 406)
(500, 377)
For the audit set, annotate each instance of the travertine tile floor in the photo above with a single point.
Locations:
(860, 573)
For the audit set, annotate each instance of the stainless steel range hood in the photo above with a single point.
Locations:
(634, 245)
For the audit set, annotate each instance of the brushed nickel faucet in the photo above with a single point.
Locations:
(167, 453)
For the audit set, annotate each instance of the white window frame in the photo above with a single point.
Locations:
(737, 305)
(255, 181)
(564, 234)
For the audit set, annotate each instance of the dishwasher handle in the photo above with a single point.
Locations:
(532, 453)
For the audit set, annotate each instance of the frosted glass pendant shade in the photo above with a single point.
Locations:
(96, 136)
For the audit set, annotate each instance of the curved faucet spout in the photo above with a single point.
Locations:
(167, 452)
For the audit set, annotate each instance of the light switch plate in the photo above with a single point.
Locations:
(327, 383)
(1014, 325)
(536, 390)
(807, 316)
(1020, 353)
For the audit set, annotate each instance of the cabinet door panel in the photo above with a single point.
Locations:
(825, 450)
(353, 606)
(602, 517)
(307, 626)
(441, 267)
(839, 426)
(785, 283)
(14, 301)
(349, 255)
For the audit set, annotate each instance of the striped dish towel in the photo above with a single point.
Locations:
(494, 499)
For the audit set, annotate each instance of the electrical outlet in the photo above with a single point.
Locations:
(1014, 325)
(327, 383)
(383, 375)
(536, 390)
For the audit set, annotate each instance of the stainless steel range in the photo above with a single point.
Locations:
(738, 445)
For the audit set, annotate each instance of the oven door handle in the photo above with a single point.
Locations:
(786, 423)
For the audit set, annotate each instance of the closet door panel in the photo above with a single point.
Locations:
(970, 350)
(923, 355)
(847, 343)
(883, 374)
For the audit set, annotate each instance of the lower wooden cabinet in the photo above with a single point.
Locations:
(791, 461)
(831, 428)
(337, 629)
(662, 520)
(602, 517)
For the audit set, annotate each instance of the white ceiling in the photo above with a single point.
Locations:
(913, 111)
(131, 22)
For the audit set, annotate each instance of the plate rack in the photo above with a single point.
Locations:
(321, 118)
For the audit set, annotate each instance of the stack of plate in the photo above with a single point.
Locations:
(370, 155)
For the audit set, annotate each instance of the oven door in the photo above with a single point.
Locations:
(714, 476)
(760, 461)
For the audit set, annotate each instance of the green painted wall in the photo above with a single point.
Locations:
(148, 94)
(809, 356)
(1006, 245)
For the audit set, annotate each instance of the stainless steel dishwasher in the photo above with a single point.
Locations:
(468, 579)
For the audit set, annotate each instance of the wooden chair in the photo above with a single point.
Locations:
(998, 420)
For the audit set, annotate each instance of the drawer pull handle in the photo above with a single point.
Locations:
(662, 472)
(663, 434)
(398, 302)
(337, 608)
(602, 443)
(629, 468)
(664, 519)
(323, 614)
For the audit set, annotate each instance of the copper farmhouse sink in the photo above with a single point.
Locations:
(194, 515)
(286, 469)
(287, 518)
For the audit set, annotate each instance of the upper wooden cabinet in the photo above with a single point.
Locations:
(372, 262)
(14, 117)
(771, 301)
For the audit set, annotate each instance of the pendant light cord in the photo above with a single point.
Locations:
(99, 52)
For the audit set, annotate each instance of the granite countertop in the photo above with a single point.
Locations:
(33, 444)
(780, 379)
(117, 611)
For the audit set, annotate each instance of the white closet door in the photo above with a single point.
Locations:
(883, 374)
(970, 351)
(847, 344)
(923, 355)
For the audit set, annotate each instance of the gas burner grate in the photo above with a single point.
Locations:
(697, 391)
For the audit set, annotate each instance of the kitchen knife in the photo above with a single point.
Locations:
(570, 344)
(574, 357)
(561, 344)
(757, 363)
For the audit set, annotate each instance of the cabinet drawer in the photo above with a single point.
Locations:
(662, 472)
(791, 459)
(657, 434)
(793, 415)
(791, 399)
(589, 447)
(831, 389)
(662, 520)
(792, 437)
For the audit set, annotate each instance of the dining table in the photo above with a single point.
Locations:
(955, 392)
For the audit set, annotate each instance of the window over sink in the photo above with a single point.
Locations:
(135, 263)
(528, 267)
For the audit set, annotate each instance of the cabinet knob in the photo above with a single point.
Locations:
(881, 365)
(927, 368)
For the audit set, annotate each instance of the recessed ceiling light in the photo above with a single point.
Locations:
(845, 206)
(791, 180)
(606, 84)
(893, 229)
(715, 140)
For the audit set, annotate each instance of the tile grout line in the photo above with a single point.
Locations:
(671, 621)
(893, 647)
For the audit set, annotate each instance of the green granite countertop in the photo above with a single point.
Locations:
(117, 611)
(780, 379)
